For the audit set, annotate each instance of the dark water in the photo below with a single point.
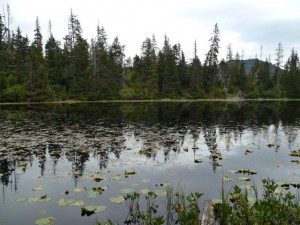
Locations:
(61, 147)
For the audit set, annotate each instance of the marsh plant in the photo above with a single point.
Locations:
(174, 208)
(276, 206)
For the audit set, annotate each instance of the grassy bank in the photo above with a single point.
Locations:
(145, 101)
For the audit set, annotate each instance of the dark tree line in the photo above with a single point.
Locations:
(78, 69)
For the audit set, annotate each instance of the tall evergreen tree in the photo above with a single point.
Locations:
(37, 80)
(292, 76)
(211, 61)
(54, 58)
(167, 68)
(278, 60)
(196, 75)
(149, 68)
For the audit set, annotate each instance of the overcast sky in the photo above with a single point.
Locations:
(245, 24)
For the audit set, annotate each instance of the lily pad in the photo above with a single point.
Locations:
(244, 178)
(89, 210)
(246, 186)
(226, 178)
(232, 171)
(164, 184)
(286, 186)
(247, 152)
(117, 200)
(144, 191)
(98, 178)
(39, 178)
(295, 161)
(37, 188)
(296, 185)
(129, 173)
(77, 190)
(45, 221)
(117, 177)
(96, 191)
(69, 202)
(127, 190)
(22, 199)
(197, 160)
(295, 153)
(43, 198)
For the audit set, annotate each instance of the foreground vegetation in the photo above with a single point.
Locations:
(76, 69)
(275, 206)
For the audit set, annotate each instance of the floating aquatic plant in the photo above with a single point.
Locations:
(45, 221)
(117, 200)
(89, 210)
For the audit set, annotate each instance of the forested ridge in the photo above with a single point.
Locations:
(75, 68)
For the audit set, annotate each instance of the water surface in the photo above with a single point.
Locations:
(63, 147)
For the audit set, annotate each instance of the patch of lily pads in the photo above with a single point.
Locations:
(43, 198)
(243, 171)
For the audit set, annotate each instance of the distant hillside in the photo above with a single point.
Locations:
(250, 63)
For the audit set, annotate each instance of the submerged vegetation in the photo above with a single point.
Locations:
(75, 69)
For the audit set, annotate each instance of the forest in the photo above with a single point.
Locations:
(78, 69)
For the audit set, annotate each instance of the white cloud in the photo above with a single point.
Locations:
(245, 24)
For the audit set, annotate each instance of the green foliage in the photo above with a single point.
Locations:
(76, 69)
(273, 208)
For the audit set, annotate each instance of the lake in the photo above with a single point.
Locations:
(52, 156)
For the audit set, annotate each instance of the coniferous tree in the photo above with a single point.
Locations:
(54, 58)
(167, 68)
(292, 76)
(211, 61)
(196, 75)
(149, 73)
(37, 78)
(278, 60)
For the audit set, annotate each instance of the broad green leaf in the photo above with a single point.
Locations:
(44, 198)
(37, 188)
(244, 178)
(70, 202)
(144, 191)
(117, 177)
(89, 210)
(45, 221)
(22, 199)
(126, 190)
(117, 200)
(226, 178)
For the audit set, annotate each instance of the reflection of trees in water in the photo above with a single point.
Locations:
(99, 131)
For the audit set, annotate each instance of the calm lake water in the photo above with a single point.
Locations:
(54, 152)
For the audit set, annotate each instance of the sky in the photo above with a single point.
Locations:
(249, 26)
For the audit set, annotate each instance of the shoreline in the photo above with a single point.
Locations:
(149, 101)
